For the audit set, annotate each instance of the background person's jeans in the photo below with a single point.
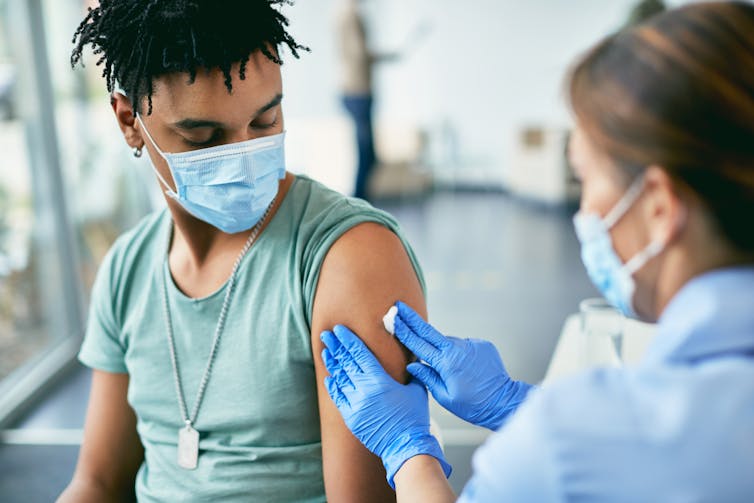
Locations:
(360, 110)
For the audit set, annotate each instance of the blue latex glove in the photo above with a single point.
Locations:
(466, 376)
(391, 419)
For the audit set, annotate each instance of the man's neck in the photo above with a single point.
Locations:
(200, 256)
(197, 241)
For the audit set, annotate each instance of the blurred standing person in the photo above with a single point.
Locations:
(644, 10)
(357, 61)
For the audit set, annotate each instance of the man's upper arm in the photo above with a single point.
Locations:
(364, 273)
(111, 452)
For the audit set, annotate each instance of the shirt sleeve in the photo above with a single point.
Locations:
(341, 218)
(102, 348)
(517, 462)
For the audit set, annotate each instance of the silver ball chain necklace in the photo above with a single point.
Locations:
(188, 437)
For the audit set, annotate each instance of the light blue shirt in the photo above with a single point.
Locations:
(679, 427)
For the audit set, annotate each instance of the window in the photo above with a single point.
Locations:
(68, 187)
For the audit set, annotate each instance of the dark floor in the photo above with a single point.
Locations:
(496, 268)
(35, 473)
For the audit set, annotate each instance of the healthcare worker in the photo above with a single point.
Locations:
(664, 146)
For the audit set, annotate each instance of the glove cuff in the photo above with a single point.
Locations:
(513, 395)
(408, 446)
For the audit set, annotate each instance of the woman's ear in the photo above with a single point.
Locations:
(124, 113)
(665, 210)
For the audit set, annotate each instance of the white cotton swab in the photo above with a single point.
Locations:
(389, 320)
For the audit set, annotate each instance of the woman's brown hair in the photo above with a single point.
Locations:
(678, 92)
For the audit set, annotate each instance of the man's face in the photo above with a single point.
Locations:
(203, 114)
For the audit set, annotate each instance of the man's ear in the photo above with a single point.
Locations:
(666, 211)
(124, 113)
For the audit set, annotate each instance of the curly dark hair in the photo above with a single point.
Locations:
(139, 40)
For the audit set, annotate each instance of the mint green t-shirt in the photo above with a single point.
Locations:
(259, 419)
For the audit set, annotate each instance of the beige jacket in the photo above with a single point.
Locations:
(355, 58)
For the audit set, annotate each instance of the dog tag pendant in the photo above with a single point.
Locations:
(188, 447)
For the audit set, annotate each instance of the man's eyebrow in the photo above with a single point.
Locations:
(272, 104)
(189, 124)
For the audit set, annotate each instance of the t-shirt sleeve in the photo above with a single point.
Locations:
(333, 224)
(517, 462)
(102, 348)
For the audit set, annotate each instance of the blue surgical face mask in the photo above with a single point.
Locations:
(611, 277)
(228, 186)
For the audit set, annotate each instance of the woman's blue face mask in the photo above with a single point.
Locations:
(227, 186)
(611, 277)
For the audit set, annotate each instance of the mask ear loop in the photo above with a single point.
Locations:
(654, 248)
(640, 259)
(625, 203)
(169, 191)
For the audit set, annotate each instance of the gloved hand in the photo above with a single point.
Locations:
(466, 376)
(391, 419)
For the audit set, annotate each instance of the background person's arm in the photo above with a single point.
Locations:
(111, 452)
(364, 273)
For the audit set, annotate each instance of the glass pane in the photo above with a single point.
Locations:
(103, 188)
(28, 268)
(109, 190)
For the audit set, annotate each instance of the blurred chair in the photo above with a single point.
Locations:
(539, 167)
(400, 169)
(322, 148)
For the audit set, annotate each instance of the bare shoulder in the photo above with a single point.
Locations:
(365, 272)
(370, 248)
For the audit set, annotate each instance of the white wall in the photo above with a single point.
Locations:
(486, 68)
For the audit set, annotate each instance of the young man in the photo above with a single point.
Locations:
(204, 326)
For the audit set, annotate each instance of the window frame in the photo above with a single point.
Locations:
(57, 244)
